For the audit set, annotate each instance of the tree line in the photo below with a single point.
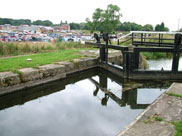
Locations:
(17, 22)
(129, 26)
(88, 25)
(125, 26)
(108, 20)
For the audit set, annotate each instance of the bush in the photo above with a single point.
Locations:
(157, 55)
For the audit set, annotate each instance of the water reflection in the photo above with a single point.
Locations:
(88, 103)
(128, 97)
(165, 64)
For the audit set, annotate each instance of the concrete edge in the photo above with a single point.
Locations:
(23, 76)
(173, 84)
(142, 114)
(34, 83)
(29, 84)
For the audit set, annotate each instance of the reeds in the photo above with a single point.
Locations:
(19, 48)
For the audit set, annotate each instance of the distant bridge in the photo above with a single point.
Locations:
(142, 41)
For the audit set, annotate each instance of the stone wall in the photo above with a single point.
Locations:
(59, 69)
(29, 77)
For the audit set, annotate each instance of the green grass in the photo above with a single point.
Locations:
(178, 126)
(16, 48)
(158, 118)
(12, 64)
(156, 55)
(153, 118)
(173, 94)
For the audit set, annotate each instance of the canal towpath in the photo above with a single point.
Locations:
(158, 118)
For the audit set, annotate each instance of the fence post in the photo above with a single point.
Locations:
(132, 38)
(176, 52)
(106, 39)
(128, 61)
(102, 53)
(136, 59)
(101, 47)
(141, 38)
(159, 40)
(106, 50)
(118, 42)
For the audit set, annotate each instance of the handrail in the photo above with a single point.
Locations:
(152, 32)
(147, 32)
(122, 37)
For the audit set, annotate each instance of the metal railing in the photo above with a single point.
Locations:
(149, 38)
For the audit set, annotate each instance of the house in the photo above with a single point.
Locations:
(65, 27)
(7, 28)
(32, 28)
(46, 29)
(62, 28)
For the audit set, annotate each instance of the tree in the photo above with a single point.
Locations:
(37, 22)
(105, 20)
(129, 26)
(157, 27)
(79, 26)
(85, 26)
(44, 23)
(74, 26)
(148, 27)
(17, 22)
(135, 27)
(6, 21)
(61, 22)
(161, 27)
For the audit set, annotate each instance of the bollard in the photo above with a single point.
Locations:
(176, 52)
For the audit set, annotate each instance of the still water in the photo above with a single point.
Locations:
(90, 103)
(165, 64)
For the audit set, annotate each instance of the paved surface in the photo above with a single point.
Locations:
(168, 108)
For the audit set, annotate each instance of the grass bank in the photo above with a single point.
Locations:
(21, 48)
(157, 55)
(178, 126)
(14, 63)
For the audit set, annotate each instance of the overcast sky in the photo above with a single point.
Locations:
(139, 11)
